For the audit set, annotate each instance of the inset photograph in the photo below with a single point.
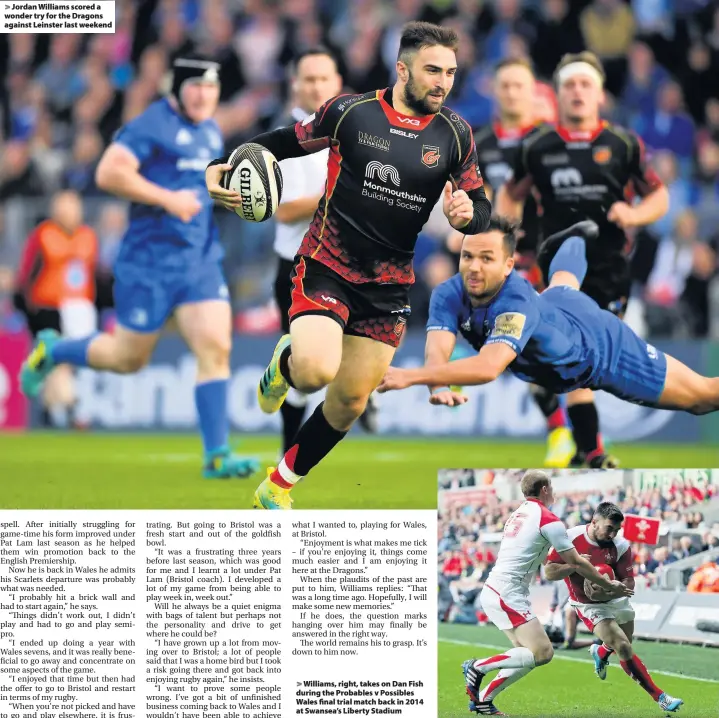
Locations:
(578, 592)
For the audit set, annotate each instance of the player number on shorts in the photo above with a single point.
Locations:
(513, 526)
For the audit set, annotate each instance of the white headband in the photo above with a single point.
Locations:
(579, 68)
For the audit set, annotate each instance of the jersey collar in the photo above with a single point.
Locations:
(397, 118)
(569, 135)
(511, 133)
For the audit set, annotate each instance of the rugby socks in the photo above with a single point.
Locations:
(293, 412)
(585, 429)
(513, 658)
(71, 351)
(570, 257)
(211, 403)
(638, 672)
(502, 680)
(285, 366)
(549, 405)
(313, 442)
(604, 651)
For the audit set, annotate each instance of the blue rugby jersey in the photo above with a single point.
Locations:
(173, 153)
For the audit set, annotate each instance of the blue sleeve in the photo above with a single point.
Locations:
(136, 135)
(515, 317)
(445, 308)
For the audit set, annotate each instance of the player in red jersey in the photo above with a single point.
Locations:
(498, 145)
(609, 618)
(529, 534)
(393, 153)
(585, 168)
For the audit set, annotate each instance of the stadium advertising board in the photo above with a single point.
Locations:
(160, 398)
(661, 615)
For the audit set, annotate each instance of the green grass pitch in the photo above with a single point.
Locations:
(161, 471)
(567, 687)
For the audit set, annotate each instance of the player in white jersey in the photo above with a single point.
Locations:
(314, 81)
(530, 532)
(611, 619)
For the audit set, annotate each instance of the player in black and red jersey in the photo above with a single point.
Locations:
(393, 153)
(498, 145)
(585, 168)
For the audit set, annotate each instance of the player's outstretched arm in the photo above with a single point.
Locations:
(313, 134)
(119, 173)
(442, 328)
(491, 361)
(437, 351)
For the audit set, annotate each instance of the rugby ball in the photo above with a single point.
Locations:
(595, 592)
(256, 176)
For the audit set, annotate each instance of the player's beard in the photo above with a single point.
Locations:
(419, 104)
(484, 297)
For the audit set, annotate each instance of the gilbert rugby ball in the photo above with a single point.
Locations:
(256, 176)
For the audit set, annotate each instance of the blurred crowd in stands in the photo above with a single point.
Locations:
(469, 533)
(63, 96)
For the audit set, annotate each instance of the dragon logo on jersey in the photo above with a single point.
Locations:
(602, 154)
(430, 155)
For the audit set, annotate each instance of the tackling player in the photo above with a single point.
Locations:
(559, 339)
(498, 145)
(586, 169)
(530, 532)
(392, 152)
(170, 258)
(610, 619)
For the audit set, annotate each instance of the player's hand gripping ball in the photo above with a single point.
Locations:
(595, 592)
(250, 184)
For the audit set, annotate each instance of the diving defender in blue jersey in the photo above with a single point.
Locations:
(559, 339)
(170, 258)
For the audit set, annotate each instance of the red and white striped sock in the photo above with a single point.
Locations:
(513, 658)
(502, 680)
(284, 474)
